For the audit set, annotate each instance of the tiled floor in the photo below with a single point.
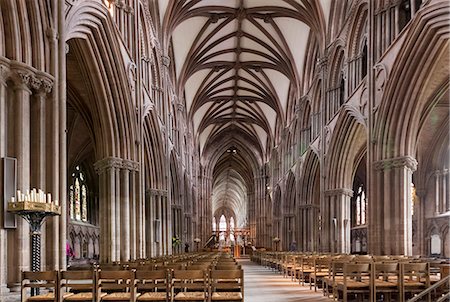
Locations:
(263, 285)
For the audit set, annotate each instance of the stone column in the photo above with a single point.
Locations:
(339, 215)
(4, 72)
(390, 223)
(106, 168)
(19, 262)
(125, 214)
(437, 210)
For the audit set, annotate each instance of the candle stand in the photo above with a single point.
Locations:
(34, 213)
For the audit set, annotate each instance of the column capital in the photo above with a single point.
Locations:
(339, 191)
(165, 60)
(4, 71)
(155, 192)
(107, 163)
(397, 162)
(130, 165)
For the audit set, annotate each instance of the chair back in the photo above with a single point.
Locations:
(36, 280)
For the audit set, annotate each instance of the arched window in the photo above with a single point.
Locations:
(360, 206)
(214, 224)
(78, 196)
(364, 61)
(404, 13)
(232, 229)
(342, 91)
(222, 224)
(413, 198)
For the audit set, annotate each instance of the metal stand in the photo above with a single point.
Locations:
(34, 213)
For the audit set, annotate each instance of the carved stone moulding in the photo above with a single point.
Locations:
(115, 163)
(25, 76)
(397, 162)
(339, 191)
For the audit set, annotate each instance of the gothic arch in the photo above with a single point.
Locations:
(309, 197)
(348, 137)
(421, 68)
(90, 32)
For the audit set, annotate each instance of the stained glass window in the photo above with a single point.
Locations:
(361, 206)
(78, 196)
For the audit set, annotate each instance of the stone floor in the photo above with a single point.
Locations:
(264, 285)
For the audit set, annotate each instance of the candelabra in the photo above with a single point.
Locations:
(34, 208)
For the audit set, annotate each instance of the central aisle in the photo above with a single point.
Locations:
(264, 285)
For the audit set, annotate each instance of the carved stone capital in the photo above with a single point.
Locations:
(156, 192)
(339, 191)
(397, 162)
(165, 60)
(47, 85)
(180, 107)
(22, 79)
(35, 82)
(107, 163)
(130, 165)
(4, 72)
(322, 62)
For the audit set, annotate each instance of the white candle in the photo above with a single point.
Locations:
(13, 199)
(56, 202)
(18, 195)
(49, 198)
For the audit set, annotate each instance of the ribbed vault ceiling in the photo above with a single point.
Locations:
(238, 65)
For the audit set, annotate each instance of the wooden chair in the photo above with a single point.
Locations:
(306, 268)
(118, 285)
(189, 285)
(415, 278)
(357, 280)
(387, 281)
(80, 285)
(226, 285)
(36, 280)
(288, 263)
(152, 285)
(321, 269)
(223, 267)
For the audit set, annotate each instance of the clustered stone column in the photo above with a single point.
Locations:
(158, 239)
(204, 207)
(120, 213)
(390, 222)
(28, 133)
(442, 204)
(261, 209)
(337, 220)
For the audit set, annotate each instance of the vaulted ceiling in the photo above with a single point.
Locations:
(239, 65)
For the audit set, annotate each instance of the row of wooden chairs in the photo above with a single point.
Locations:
(372, 278)
(135, 285)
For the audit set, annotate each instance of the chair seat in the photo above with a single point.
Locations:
(319, 274)
(226, 296)
(352, 284)
(80, 297)
(413, 283)
(152, 296)
(117, 297)
(382, 283)
(190, 296)
(47, 297)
